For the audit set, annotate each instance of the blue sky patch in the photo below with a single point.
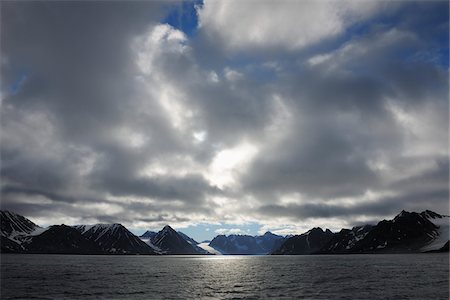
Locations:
(204, 231)
(183, 16)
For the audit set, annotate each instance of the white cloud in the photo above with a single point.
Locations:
(284, 23)
(228, 231)
(361, 48)
(153, 49)
(160, 39)
(199, 136)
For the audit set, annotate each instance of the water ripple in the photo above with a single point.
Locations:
(423, 276)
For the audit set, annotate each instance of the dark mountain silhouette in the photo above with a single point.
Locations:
(246, 244)
(193, 242)
(114, 239)
(171, 242)
(148, 235)
(62, 239)
(269, 241)
(408, 232)
(307, 243)
(344, 240)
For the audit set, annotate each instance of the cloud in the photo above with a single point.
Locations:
(347, 134)
(228, 231)
(285, 24)
(317, 114)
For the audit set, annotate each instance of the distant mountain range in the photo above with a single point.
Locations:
(408, 232)
(246, 244)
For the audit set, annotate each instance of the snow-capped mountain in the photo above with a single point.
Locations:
(114, 239)
(246, 244)
(408, 232)
(441, 235)
(14, 230)
(172, 242)
(307, 243)
(13, 225)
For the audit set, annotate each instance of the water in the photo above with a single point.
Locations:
(422, 276)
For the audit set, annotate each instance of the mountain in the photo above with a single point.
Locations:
(441, 235)
(13, 225)
(147, 238)
(344, 240)
(205, 246)
(18, 234)
(14, 229)
(62, 239)
(10, 246)
(236, 244)
(407, 232)
(269, 241)
(187, 238)
(306, 243)
(246, 244)
(194, 243)
(171, 242)
(148, 235)
(114, 239)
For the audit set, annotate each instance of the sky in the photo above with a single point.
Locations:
(221, 117)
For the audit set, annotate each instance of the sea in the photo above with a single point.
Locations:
(381, 276)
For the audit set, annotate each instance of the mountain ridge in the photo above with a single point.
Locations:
(407, 232)
(114, 239)
(172, 242)
(235, 244)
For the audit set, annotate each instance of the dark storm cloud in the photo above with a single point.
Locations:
(77, 56)
(435, 178)
(385, 206)
(190, 188)
(101, 103)
(12, 190)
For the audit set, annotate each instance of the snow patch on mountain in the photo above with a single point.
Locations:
(148, 241)
(18, 228)
(442, 234)
(83, 228)
(207, 247)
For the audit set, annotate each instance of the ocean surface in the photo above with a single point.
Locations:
(411, 276)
